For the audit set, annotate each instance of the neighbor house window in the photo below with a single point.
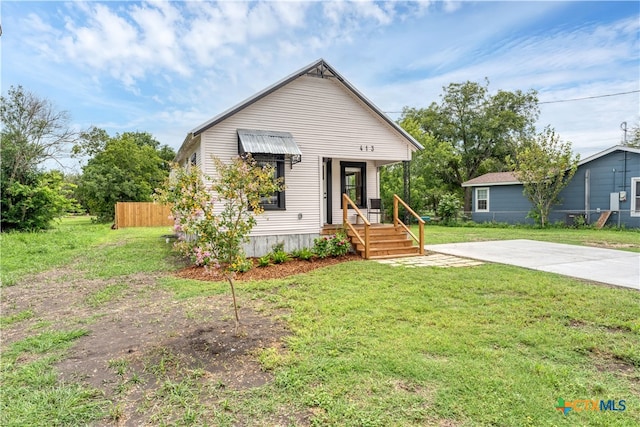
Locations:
(353, 177)
(635, 196)
(482, 200)
(273, 201)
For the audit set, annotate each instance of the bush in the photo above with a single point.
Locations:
(304, 254)
(448, 208)
(264, 260)
(241, 264)
(279, 257)
(335, 245)
(34, 205)
(278, 254)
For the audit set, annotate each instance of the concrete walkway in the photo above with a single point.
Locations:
(434, 260)
(613, 267)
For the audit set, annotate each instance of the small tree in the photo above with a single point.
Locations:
(210, 236)
(544, 165)
(125, 168)
(33, 132)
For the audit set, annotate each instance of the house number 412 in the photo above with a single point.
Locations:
(366, 148)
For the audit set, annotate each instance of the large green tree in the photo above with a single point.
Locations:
(125, 168)
(545, 165)
(480, 130)
(33, 131)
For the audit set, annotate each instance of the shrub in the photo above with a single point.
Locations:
(336, 245)
(340, 244)
(279, 257)
(264, 260)
(241, 264)
(448, 208)
(304, 254)
(321, 246)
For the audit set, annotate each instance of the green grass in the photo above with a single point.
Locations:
(489, 345)
(31, 392)
(100, 251)
(129, 251)
(15, 318)
(28, 253)
(370, 344)
(618, 239)
(106, 294)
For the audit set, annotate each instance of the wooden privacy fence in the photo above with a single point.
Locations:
(142, 214)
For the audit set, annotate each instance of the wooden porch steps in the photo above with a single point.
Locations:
(387, 241)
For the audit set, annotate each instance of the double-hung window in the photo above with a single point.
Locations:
(275, 200)
(482, 199)
(635, 196)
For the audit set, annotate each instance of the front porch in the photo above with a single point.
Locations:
(376, 241)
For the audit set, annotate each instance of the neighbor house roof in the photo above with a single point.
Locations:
(607, 151)
(509, 178)
(493, 178)
(317, 68)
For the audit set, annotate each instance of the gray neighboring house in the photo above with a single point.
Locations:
(605, 183)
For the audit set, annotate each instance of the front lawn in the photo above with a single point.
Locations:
(104, 334)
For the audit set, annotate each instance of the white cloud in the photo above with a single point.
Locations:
(187, 61)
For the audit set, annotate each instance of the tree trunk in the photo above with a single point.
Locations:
(235, 304)
(467, 199)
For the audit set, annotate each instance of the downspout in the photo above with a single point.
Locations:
(587, 195)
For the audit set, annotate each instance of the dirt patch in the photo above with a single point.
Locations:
(274, 271)
(143, 346)
(607, 362)
(609, 245)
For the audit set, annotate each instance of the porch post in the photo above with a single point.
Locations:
(407, 188)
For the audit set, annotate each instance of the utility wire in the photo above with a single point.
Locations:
(589, 97)
(561, 100)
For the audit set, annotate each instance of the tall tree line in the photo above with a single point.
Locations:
(468, 133)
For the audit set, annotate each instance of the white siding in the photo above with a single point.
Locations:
(326, 120)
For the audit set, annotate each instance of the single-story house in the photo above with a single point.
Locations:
(323, 136)
(605, 187)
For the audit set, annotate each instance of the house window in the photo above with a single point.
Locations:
(353, 177)
(635, 198)
(194, 159)
(482, 199)
(274, 201)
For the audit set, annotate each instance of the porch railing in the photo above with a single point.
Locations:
(397, 222)
(346, 202)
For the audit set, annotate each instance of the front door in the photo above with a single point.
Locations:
(326, 190)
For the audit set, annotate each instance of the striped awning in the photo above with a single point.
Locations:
(267, 142)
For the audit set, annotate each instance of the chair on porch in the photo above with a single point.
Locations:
(375, 208)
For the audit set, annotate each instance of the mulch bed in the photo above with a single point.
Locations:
(274, 271)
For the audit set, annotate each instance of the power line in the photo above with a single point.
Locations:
(561, 100)
(589, 97)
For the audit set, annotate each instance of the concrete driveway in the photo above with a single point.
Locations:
(608, 266)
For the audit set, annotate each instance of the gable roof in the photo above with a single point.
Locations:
(318, 68)
(493, 178)
(608, 151)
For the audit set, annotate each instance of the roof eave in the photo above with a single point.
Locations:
(608, 151)
(489, 184)
(270, 89)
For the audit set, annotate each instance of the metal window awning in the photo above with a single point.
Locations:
(269, 142)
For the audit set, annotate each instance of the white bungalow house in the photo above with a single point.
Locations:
(322, 135)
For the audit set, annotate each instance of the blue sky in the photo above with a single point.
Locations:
(165, 67)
